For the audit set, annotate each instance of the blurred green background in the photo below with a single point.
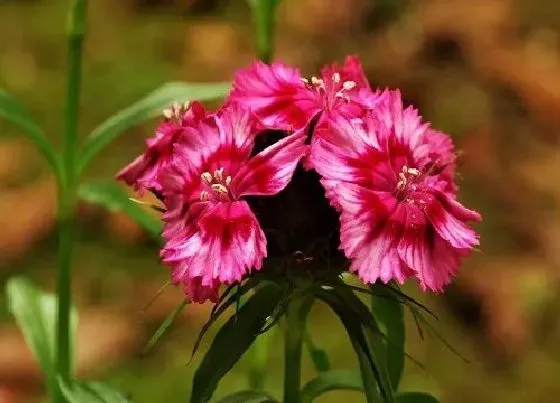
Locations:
(485, 71)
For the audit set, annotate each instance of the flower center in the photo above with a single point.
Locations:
(407, 177)
(215, 186)
(331, 91)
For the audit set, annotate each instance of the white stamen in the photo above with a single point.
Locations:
(218, 187)
(186, 105)
(206, 178)
(219, 174)
(168, 113)
(348, 85)
(228, 180)
(317, 81)
(305, 80)
(204, 195)
(336, 78)
(413, 171)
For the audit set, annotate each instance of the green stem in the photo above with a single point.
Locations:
(296, 316)
(263, 15)
(68, 188)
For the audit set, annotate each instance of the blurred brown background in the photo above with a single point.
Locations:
(485, 71)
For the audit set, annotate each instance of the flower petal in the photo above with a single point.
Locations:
(199, 293)
(276, 94)
(271, 170)
(374, 253)
(347, 151)
(433, 260)
(144, 172)
(147, 170)
(227, 243)
(450, 228)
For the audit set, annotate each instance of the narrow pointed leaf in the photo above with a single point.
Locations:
(248, 396)
(14, 112)
(221, 307)
(259, 354)
(164, 326)
(372, 372)
(35, 314)
(338, 379)
(390, 316)
(415, 397)
(147, 108)
(319, 356)
(232, 340)
(113, 197)
(376, 339)
(90, 392)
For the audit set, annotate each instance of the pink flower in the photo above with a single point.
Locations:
(145, 171)
(212, 236)
(283, 100)
(391, 177)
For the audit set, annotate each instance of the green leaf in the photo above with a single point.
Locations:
(147, 108)
(248, 396)
(164, 326)
(259, 361)
(319, 356)
(12, 110)
(90, 392)
(415, 397)
(376, 339)
(389, 313)
(232, 340)
(115, 198)
(225, 302)
(338, 379)
(371, 377)
(35, 314)
(263, 14)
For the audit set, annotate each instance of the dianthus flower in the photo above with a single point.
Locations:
(284, 100)
(145, 172)
(212, 236)
(391, 177)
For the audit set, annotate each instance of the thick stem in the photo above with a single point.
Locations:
(296, 316)
(67, 191)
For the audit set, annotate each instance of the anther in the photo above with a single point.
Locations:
(206, 178)
(228, 180)
(317, 81)
(305, 80)
(348, 85)
(168, 113)
(204, 195)
(413, 171)
(336, 78)
(218, 187)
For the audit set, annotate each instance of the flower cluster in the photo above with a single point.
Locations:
(388, 174)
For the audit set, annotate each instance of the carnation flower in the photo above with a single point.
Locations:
(145, 172)
(284, 100)
(391, 177)
(212, 236)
